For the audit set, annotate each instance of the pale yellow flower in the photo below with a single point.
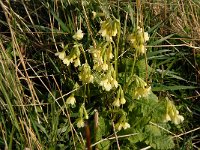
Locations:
(114, 83)
(103, 32)
(104, 66)
(146, 36)
(106, 84)
(91, 79)
(139, 29)
(77, 62)
(172, 114)
(111, 55)
(61, 55)
(85, 75)
(71, 100)
(126, 125)
(116, 102)
(67, 61)
(142, 49)
(122, 100)
(80, 123)
(119, 127)
(94, 14)
(114, 32)
(178, 119)
(109, 28)
(167, 118)
(138, 39)
(141, 92)
(78, 35)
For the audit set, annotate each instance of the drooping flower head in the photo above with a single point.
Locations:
(122, 123)
(80, 122)
(172, 114)
(108, 81)
(61, 55)
(140, 88)
(138, 39)
(109, 28)
(116, 102)
(71, 100)
(85, 74)
(120, 99)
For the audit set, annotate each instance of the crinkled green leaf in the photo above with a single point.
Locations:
(137, 138)
(105, 145)
(156, 139)
(152, 130)
(102, 131)
(163, 142)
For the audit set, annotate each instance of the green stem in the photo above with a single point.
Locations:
(116, 57)
(85, 93)
(82, 49)
(132, 72)
(88, 92)
(116, 53)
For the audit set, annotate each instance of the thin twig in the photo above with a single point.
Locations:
(165, 129)
(187, 132)
(116, 136)
(111, 138)
(148, 147)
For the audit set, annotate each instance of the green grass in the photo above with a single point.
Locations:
(35, 84)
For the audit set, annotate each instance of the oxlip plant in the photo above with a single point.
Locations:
(122, 97)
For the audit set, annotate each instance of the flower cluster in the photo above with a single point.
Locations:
(73, 57)
(102, 55)
(140, 88)
(82, 115)
(108, 81)
(119, 100)
(85, 74)
(138, 40)
(97, 58)
(109, 28)
(172, 114)
(124, 125)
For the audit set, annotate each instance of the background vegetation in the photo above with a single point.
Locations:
(34, 83)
